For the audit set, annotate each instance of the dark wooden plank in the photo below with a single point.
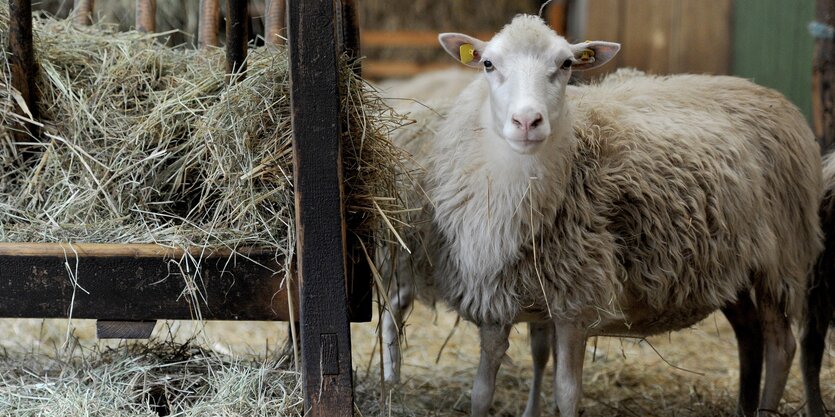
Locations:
(823, 78)
(320, 225)
(208, 24)
(83, 12)
(146, 16)
(22, 66)
(359, 272)
(108, 329)
(137, 287)
(237, 36)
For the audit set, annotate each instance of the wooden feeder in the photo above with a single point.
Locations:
(125, 286)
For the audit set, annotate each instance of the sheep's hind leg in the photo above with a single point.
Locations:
(742, 314)
(400, 300)
(779, 352)
(541, 335)
(812, 345)
(494, 344)
(570, 349)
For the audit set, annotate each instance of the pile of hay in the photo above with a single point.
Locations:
(163, 378)
(147, 144)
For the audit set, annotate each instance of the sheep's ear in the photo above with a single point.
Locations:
(466, 49)
(592, 54)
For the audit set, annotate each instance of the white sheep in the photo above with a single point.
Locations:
(629, 207)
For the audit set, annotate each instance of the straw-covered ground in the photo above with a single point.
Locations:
(238, 372)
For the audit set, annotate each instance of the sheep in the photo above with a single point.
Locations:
(630, 208)
(820, 298)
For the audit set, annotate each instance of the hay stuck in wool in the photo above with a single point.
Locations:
(147, 144)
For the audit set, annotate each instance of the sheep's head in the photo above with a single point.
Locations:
(527, 66)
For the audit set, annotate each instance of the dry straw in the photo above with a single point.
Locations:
(147, 144)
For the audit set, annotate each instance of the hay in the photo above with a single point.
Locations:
(163, 378)
(147, 144)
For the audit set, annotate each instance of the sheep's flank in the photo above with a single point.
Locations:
(142, 143)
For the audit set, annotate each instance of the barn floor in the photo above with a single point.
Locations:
(694, 373)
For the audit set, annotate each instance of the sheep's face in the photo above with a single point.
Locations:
(527, 66)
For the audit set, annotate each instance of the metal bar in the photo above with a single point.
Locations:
(276, 22)
(146, 16)
(351, 33)
(237, 36)
(209, 17)
(320, 224)
(83, 12)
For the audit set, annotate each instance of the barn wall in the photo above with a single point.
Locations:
(773, 47)
(663, 36)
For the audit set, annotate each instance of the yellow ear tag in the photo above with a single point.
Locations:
(586, 54)
(466, 52)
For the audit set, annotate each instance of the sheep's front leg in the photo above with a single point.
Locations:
(570, 349)
(400, 300)
(779, 352)
(743, 317)
(494, 344)
(541, 335)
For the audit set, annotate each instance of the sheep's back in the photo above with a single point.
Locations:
(700, 181)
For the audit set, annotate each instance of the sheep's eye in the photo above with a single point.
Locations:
(488, 66)
(567, 64)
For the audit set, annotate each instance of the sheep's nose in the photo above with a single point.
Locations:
(527, 121)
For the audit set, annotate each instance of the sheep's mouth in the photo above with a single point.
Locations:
(525, 146)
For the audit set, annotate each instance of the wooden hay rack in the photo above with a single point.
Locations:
(124, 284)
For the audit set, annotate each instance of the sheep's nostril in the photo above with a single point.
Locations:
(517, 123)
(537, 121)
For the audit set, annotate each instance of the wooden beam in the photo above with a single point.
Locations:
(275, 27)
(320, 224)
(108, 329)
(823, 76)
(146, 16)
(237, 37)
(83, 12)
(104, 282)
(24, 71)
(557, 17)
(208, 23)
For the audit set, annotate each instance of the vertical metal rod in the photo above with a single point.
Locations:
(83, 12)
(146, 16)
(351, 32)
(208, 24)
(21, 54)
(275, 22)
(237, 36)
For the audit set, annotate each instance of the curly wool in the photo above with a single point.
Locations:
(662, 194)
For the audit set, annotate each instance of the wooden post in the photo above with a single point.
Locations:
(237, 37)
(208, 24)
(83, 12)
(146, 15)
(320, 224)
(22, 62)
(276, 22)
(823, 76)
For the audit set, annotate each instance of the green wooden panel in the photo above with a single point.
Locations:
(773, 47)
